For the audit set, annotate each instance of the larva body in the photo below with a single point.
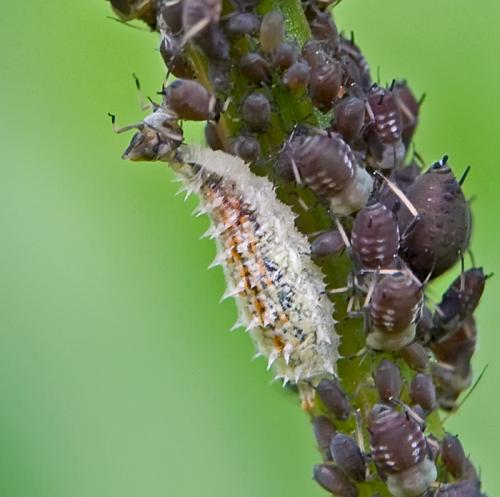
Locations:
(279, 291)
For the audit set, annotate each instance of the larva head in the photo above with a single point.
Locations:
(128, 10)
(415, 355)
(325, 84)
(189, 100)
(388, 381)
(243, 23)
(465, 488)
(296, 77)
(255, 68)
(272, 31)
(409, 108)
(247, 148)
(375, 236)
(334, 398)
(393, 309)
(423, 392)
(442, 231)
(256, 112)
(348, 457)
(324, 431)
(328, 243)
(333, 480)
(453, 456)
(461, 299)
(348, 49)
(350, 114)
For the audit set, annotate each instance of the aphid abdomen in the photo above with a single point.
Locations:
(280, 292)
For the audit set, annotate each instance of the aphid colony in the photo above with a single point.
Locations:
(335, 145)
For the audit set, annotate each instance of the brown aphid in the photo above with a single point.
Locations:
(189, 100)
(328, 243)
(466, 488)
(272, 31)
(334, 398)
(313, 52)
(324, 431)
(423, 392)
(212, 137)
(461, 299)
(285, 56)
(348, 48)
(329, 167)
(128, 10)
(255, 68)
(450, 382)
(171, 16)
(198, 15)
(442, 231)
(333, 480)
(243, 23)
(385, 134)
(297, 76)
(409, 108)
(401, 452)
(375, 236)
(453, 456)
(256, 112)
(415, 355)
(176, 62)
(325, 84)
(349, 120)
(393, 310)
(388, 381)
(324, 29)
(348, 457)
(247, 147)
(403, 177)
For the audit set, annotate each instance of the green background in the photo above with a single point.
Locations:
(117, 374)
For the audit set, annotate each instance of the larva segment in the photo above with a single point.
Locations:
(279, 291)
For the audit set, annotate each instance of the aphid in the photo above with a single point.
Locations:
(324, 29)
(384, 138)
(325, 84)
(423, 392)
(401, 452)
(171, 16)
(409, 108)
(329, 167)
(285, 56)
(333, 480)
(214, 43)
(442, 231)
(247, 148)
(296, 77)
(219, 74)
(393, 310)
(453, 456)
(127, 10)
(243, 23)
(375, 236)
(334, 398)
(465, 488)
(212, 137)
(256, 112)
(314, 54)
(157, 137)
(324, 431)
(328, 243)
(461, 299)
(198, 15)
(388, 381)
(175, 60)
(425, 326)
(255, 68)
(272, 31)
(279, 291)
(349, 121)
(348, 457)
(415, 355)
(403, 177)
(349, 49)
(189, 100)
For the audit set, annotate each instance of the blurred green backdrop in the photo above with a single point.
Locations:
(117, 374)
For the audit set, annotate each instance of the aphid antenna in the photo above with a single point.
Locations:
(411, 208)
(468, 394)
(470, 253)
(464, 176)
(359, 432)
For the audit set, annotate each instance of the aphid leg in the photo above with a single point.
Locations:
(410, 412)
(399, 193)
(123, 129)
(143, 104)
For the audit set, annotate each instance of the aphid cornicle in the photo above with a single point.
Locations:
(297, 76)
(393, 310)
(461, 299)
(328, 243)
(465, 488)
(388, 381)
(423, 392)
(453, 456)
(256, 112)
(247, 148)
(272, 31)
(442, 231)
(189, 100)
(333, 480)
(334, 398)
(348, 457)
(324, 431)
(375, 236)
(401, 452)
(349, 121)
(325, 84)
(329, 167)
(255, 68)
(385, 133)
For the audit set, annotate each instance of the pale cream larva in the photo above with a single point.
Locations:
(279, 291)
